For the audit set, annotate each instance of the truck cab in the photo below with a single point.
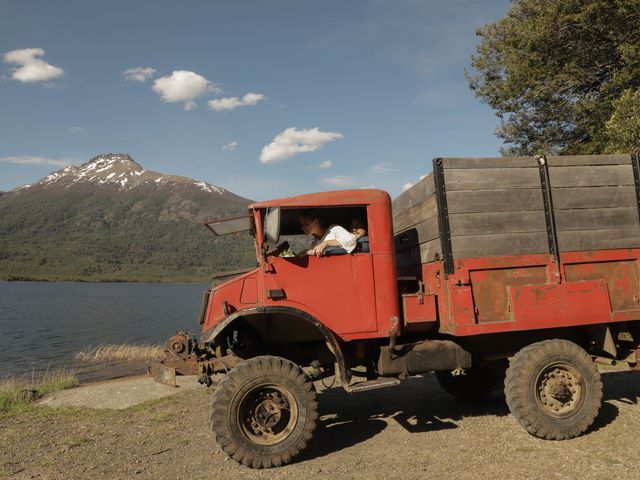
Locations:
(352, 295)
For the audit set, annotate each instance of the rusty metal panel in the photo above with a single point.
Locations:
(560, 305)
(621, 277)
(462, 307)
(419, 308)
(490, 290)
(162, 374)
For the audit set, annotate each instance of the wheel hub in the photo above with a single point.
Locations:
(267, 415)
(269, 412)
(560, 390)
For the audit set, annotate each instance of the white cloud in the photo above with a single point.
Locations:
(338, 181)
(26, 160)
(383, 167)
(293, 141)
(74, 130)
(407, 186)
(231, 103)
(31, 69)
(139, 74)
(183, 86)
(230, 146)
(325, 164)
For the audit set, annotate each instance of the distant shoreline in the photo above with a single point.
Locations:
(106, 280)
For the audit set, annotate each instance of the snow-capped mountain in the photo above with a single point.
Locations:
(117, 171)
(110, 219)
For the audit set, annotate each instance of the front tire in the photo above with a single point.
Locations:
(264, 412)
(553, 389)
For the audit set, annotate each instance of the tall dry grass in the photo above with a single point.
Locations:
(120, 353)
(20, 391)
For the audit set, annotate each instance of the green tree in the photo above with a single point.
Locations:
(623, 128)
(556, 73)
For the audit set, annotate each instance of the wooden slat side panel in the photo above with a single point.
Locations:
(575, 160)
(497, 222)
(597, 218)
(507, 200)
(414, 195)
(593, 197)
(418, 254)
(415, 214)
(489, 162)
(491, 178)
(431, 251)
(610, 238)
(500, 244)
(421, 233)
(591, 176)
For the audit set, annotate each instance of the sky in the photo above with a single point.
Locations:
(264, 98)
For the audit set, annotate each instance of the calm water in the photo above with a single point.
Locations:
(43, 324)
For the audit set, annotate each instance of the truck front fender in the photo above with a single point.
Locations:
(342, 369)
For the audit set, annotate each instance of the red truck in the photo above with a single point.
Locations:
(514, 273)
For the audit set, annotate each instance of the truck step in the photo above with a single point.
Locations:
(373, 384)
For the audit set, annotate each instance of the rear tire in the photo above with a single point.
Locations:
(264, 412)
(476, 383)
(553, 389)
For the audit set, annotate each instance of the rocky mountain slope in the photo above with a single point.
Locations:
(110, 219)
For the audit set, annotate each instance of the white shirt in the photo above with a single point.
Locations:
(347, 240)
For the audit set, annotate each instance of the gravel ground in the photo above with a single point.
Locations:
(414, 430)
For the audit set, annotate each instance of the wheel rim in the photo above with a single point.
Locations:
(267, 414)
(560, 390)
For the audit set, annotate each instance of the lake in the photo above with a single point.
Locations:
(43, 324)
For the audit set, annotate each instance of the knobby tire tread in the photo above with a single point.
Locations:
(522, 403)
(221, 416)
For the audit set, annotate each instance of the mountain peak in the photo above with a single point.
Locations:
(120, 172)
(111, 159)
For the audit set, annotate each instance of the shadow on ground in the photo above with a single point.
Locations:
(420, 405)
(417, 404)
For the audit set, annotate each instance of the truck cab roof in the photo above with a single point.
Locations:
(365, 196)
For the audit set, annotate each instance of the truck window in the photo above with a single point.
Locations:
(350, 218)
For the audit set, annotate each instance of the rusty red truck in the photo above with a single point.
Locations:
(495, 273)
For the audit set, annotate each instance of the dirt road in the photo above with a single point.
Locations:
(411, 431)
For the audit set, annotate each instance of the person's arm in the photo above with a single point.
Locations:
(336, 237)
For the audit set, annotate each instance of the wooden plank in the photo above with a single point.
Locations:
(573, 160)
(593, 197)
(597, 218)
(507, 200)
(416, 214)
(579, 240)
(414, 195)
(591, 176)
(497, 222)
(431, 251)
(489, 162)
(499, 244)
(491, 178)
(421, 233)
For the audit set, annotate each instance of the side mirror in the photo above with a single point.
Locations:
(272, 225)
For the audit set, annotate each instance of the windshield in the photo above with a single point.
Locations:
(225, 226)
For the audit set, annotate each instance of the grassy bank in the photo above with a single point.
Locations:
(121, 353)
(22, 391)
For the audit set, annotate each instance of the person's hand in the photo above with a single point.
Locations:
(318, 250)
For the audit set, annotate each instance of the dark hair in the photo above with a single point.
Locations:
(312, 214)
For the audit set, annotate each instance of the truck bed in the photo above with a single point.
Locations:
(505, 244)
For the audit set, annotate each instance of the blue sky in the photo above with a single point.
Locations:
(264, 98)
